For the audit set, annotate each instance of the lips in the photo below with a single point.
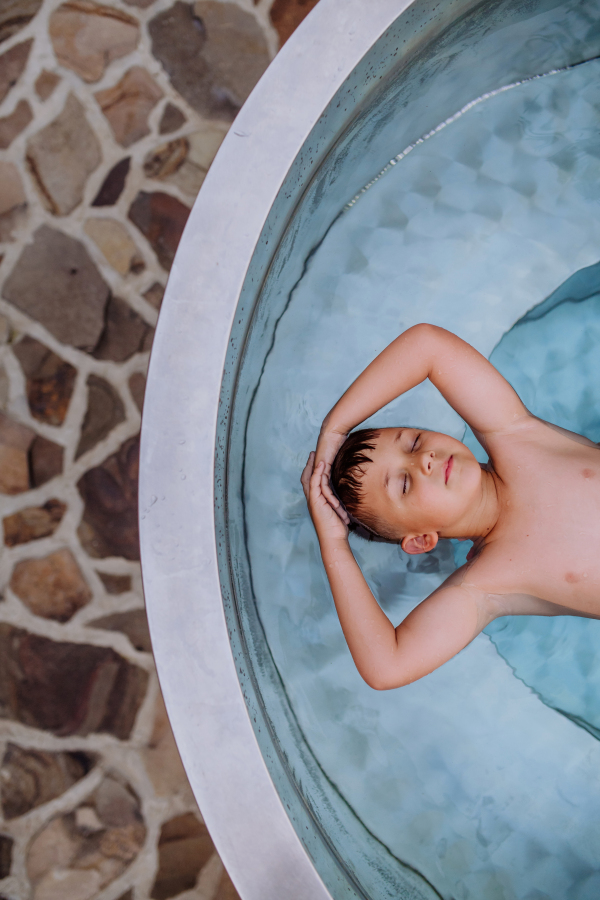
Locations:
(448, 469)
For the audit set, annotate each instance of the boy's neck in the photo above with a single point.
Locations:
(484, 517)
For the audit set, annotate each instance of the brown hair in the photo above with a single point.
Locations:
(346, 480)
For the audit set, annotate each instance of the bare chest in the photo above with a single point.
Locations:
(547, 545)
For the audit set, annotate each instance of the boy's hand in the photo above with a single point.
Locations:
(329, 517)
(327, 447)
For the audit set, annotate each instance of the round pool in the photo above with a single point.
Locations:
(398, 162)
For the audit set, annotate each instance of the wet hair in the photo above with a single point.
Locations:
(346, 480)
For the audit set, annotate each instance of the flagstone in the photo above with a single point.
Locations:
(32, 777)
(128, 104)
(52, 587)
(87, 37)
(67, 688)
(161, 218)
(12, 64)
(286, 15)
(55, 282)
(50, 380)
(104, 412)
(172, 119)
(110, 491)
(33, 522)
(116, 245)
(112, 186)
(12, 125)
(45, 84)
(115, 584)
(15, 15)
(125, 333)
(213, 52)
(62, 156)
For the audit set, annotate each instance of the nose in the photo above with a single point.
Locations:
(426, 461)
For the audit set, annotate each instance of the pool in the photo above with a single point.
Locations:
(442, 167)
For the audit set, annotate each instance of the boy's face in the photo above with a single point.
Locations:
(422, 482)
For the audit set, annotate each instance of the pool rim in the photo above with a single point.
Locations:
(245, 815)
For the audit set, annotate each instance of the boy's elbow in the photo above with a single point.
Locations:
(381, 681)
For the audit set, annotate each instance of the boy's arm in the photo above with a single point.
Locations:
(470, 384)
(388, 657)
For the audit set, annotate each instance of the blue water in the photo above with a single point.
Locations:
(552, 359)
(471, 775)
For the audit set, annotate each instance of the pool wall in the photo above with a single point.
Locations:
(354, 86)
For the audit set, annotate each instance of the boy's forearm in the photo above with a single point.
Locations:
(370, 635)
(405, 363)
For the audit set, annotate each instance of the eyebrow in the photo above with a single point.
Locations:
(399, 435)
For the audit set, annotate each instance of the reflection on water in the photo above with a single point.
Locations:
(466, 775)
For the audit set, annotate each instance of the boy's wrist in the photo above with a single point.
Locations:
(331, 543)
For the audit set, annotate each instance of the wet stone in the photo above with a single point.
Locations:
(50, 380)
(33, 777)
(33, 522)
(213, 52)
(45, 84)
(67, 688)
(76, 855)
(86, 36)
(171, 119)
(62, 156)
(113, 184)
(45, 460)
(128, 104)
(115, 584)
(161, 218)
(6, 848)
(104, 411)
(13, 125)
(12, 64)
(124, 334)
(15, 444)
(154, 295)
(56, 283)
(184, 847)
(15, 15)
(133, 623)
(137, 386)
(51, 587)
(110, 492)
(115, 244)
(286, 15)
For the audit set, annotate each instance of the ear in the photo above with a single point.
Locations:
(419, 543)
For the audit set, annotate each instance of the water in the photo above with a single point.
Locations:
(471, 775)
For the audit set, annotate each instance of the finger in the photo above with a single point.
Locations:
(306, 473)
(315, 480)
(326, 488)
(334, 501)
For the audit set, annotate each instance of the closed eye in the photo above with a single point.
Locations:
(416, 441)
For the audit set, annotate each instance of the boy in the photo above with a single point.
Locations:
(533, 511)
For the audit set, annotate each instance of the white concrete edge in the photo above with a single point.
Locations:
(243, 811)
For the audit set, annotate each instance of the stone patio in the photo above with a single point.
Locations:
(110, 116)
